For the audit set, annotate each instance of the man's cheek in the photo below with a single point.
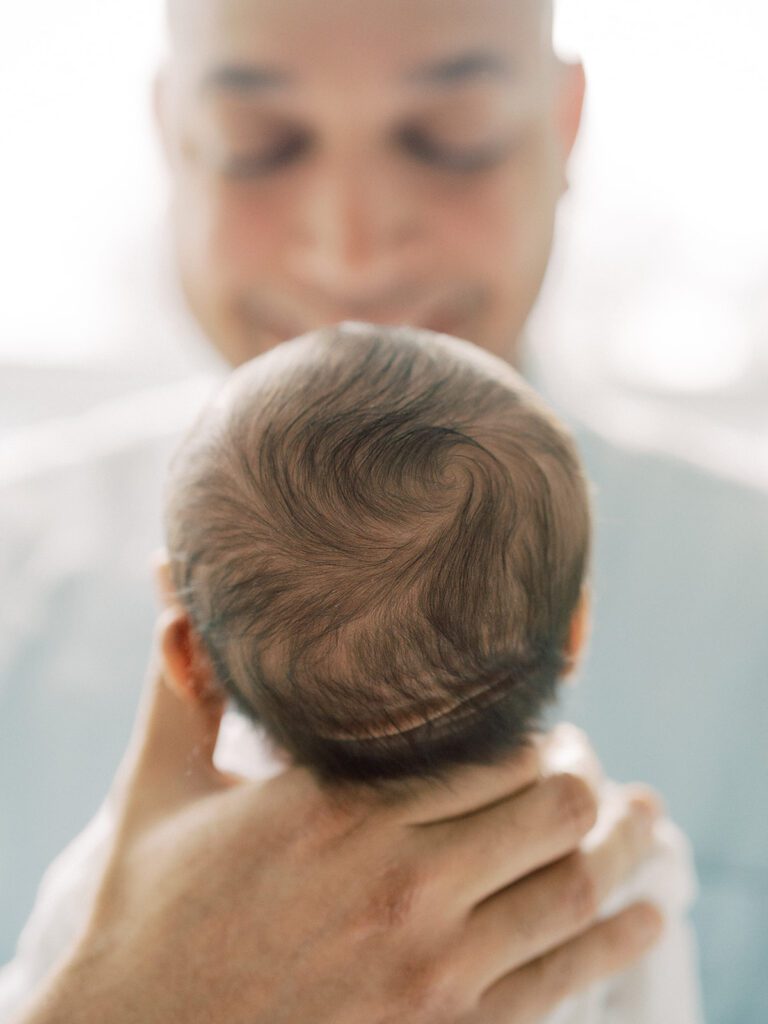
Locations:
(242, 236)
(503, 211)
(489, 246)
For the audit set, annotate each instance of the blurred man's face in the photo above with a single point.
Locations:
(397, 161)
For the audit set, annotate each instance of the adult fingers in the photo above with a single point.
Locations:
(490, 850)
(469, 789)
(566, 748)
(610, 946)
(557, 903)
(169, 760)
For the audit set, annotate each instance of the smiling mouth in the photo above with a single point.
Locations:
(444, 314)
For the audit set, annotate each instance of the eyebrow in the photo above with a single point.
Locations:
(449, 71)
(463, 67)
(245, 78)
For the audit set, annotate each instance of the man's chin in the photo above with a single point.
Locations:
(241, 334)
(256, 341)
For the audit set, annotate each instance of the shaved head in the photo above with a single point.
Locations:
(179, 12)
(381, 537)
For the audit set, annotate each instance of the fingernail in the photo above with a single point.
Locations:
(649, 799)
(646, 808)
(643, 823)
(651, 923)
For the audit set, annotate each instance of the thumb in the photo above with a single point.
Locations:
(169, 760)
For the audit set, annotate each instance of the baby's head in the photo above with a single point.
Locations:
(380, 537)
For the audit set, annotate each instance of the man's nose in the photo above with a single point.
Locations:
(355, 227)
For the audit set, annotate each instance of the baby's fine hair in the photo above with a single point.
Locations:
(381, 536)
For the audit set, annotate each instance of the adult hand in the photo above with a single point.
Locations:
(281, 902)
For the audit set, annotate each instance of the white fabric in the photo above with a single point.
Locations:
(662, 988)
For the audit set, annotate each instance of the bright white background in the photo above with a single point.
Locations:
(655, 317)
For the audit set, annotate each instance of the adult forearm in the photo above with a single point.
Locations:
(80, 991)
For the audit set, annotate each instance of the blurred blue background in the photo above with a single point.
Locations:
(652, 325)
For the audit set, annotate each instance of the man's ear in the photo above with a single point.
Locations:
(187, 667)
(570, 107)
(161, 111)
(578, 631)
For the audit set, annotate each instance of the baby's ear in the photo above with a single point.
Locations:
(578, 632)
(187, 667)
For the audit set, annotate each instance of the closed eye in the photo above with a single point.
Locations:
(284, 151)
(463, 159)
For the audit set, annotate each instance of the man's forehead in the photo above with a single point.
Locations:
(274, 32)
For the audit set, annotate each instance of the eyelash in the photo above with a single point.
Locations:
(466, 161)
(411, 140)
(288, 151)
